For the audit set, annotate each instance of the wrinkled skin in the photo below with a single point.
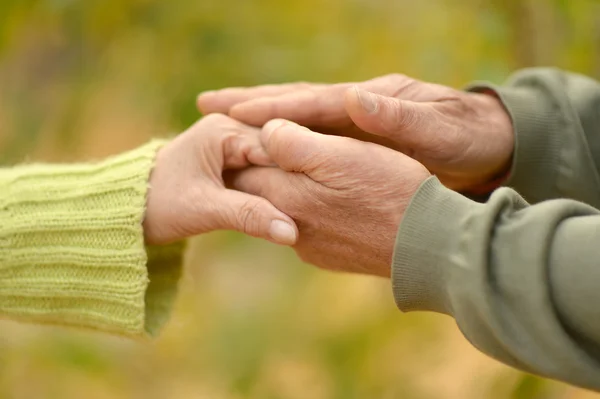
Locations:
(346, 196)
(466, 139)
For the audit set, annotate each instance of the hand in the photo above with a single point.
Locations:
(187, 195)
(466, 139)
(346, 196)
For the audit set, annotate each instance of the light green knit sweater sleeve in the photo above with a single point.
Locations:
(72, 246)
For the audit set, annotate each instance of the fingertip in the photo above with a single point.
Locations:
(291, 146)
(258, 156)
(284, 129)
(207, 93)
(237, 110)
(203, 98)
(241, 110)
(369, 102)
(352, 92)
(270, 127)
(210, 102)
(351, 100)
(283, 232)
(274, 124)
(367, 110)
(253, 112)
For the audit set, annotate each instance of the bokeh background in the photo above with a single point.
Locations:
(82, 79)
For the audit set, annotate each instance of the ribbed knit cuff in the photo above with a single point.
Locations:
(537, 124)
(427, 246)
(72, 246)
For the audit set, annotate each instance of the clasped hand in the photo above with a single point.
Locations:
(336, 193)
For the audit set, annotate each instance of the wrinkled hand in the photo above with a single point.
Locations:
(466, 139)
(187, 195)
(346, 196)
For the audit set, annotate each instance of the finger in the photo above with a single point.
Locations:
(256, 217)
(269, 183)
(222, 100)
(404, 122)
(244, 149)
(238, 143)
(315, 108)
(295, 148)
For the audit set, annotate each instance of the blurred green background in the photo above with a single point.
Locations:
(82, 79)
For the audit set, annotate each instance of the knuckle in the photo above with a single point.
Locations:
(277, 136)
(249, 216)
(279, 141)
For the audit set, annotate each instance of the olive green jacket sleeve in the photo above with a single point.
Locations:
(521, 280)
(72, 246)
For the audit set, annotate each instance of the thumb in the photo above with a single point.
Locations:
(404, 122)
(256, 217)
(295, 148)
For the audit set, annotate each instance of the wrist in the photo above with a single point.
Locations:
(151, 223)
(497, 119)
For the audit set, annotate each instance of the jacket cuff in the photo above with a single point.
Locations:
(427, 245)
(537, 124)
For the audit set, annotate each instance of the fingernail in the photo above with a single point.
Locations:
(272, 125)
(282, 232)
(367, 100)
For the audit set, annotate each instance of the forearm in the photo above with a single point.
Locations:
(72, 247)
(556, 119)
(520, 280)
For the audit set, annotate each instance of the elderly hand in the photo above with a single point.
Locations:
(187, 195)
(346, 196)
(466, 139)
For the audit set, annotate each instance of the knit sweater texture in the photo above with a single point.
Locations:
(72, 246)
